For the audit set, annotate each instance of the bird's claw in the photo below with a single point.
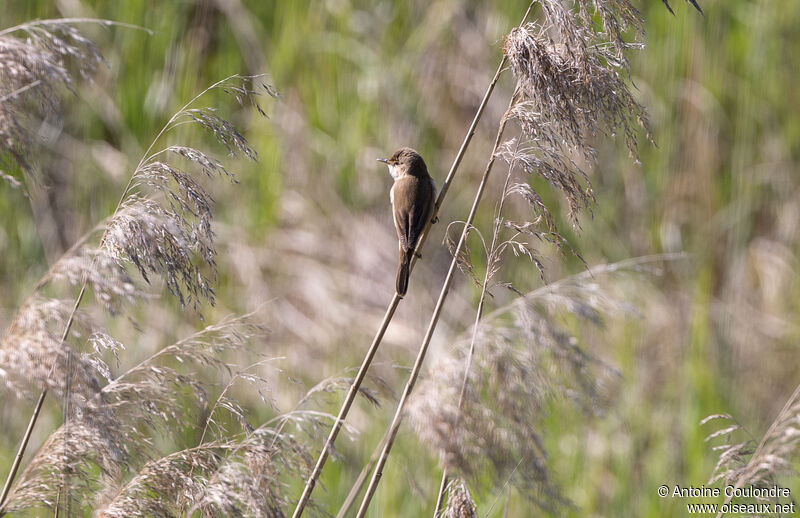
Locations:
(434, 220)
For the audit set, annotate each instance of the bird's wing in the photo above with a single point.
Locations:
(418, 218)
(399, 194)
(413, 200)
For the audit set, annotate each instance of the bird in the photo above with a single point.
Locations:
(413, 196)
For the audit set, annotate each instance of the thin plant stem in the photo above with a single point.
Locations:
(20, 90)
(64, 486)
(504, 488)
(68, 21)
(412, 379)
(36, 410)
(362, 371)
(216, 405)
(362, 478)
(437, 509)
(348, 402)
(474, 338)
(18, 458)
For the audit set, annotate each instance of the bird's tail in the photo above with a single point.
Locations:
(402, 271)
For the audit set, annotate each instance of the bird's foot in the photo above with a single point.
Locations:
(434, 220)
(419, 255)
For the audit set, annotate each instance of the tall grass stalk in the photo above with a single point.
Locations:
(365, 364)
(358, 485)
(454, 264)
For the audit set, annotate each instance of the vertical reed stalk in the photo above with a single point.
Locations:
(351, 394)
(362, 478)
(362, 371)
(36, 410)
(395, 426)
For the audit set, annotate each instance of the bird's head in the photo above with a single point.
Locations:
(405, 161)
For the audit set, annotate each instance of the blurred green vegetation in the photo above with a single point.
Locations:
(359, 79)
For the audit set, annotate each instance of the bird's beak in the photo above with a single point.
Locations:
(384, 160)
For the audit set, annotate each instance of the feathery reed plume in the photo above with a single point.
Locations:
(459, 501)
(224, 477)
(32, 346)
(114, 434)
(571, 78)
(338, 384)
(164, 484)
(494, 255)
(235, 474)
(33, 69)
(171, 237)
(107, 278)
(161, 225)
(524, 360)
(157, 237)
(85, 450)
(38, 59)
(569, 89)
(743, 462)
(251, 480)
(168, 237)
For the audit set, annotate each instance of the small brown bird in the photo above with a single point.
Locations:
(413, 196)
